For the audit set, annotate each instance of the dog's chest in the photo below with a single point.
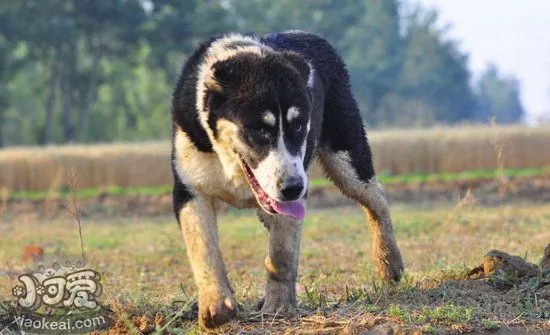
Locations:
(211, 174)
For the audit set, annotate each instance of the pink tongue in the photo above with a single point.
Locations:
(290, 208)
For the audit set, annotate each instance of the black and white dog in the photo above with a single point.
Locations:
(249, 115)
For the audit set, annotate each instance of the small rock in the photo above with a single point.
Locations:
(498, 260)
(144, 324)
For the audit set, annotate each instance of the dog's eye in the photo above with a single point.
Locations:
(297, 127)
(259, 130)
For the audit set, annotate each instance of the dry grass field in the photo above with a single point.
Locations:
(147, 280)
(439, 150)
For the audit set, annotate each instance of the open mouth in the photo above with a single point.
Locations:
(294, 209)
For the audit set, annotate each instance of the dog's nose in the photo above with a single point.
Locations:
(292, 188)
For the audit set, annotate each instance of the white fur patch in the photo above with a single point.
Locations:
(304, 145)
(292, 113)
(341, 161)
(269, 118)
(278, 166)
(211, 174)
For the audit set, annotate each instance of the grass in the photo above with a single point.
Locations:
(464, 176)
(411, 154)
(447, 314)
(146, 275)
(317, 182)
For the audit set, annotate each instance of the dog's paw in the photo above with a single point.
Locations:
(390, 267)
(278, 306)
(216, 308)
(279, 300)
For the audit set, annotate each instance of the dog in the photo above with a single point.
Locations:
(249, 114)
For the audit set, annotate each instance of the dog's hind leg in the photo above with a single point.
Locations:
(281, 263)
(197, 218)
(347, 170)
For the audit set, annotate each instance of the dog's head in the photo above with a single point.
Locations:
(258, 110)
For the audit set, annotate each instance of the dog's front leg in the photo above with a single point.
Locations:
(197, 219)
(281, 263)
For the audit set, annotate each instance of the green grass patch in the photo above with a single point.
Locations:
(462, 176)
(489, 324)
(446, 314)
(318, 182)
(401, 313)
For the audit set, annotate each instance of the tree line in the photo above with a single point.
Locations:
(100, 71)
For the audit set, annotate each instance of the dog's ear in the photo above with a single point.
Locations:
(299, 63)
(227, 72)
(224, 76)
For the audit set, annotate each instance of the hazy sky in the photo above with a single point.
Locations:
(513, 34)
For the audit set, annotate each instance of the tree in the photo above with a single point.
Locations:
(74, 37)
(434, 71)
(373, 53)
(12, 56)
(498, 97)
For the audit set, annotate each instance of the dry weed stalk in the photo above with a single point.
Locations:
(501, 178)
(468, 200)
(73, 207)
